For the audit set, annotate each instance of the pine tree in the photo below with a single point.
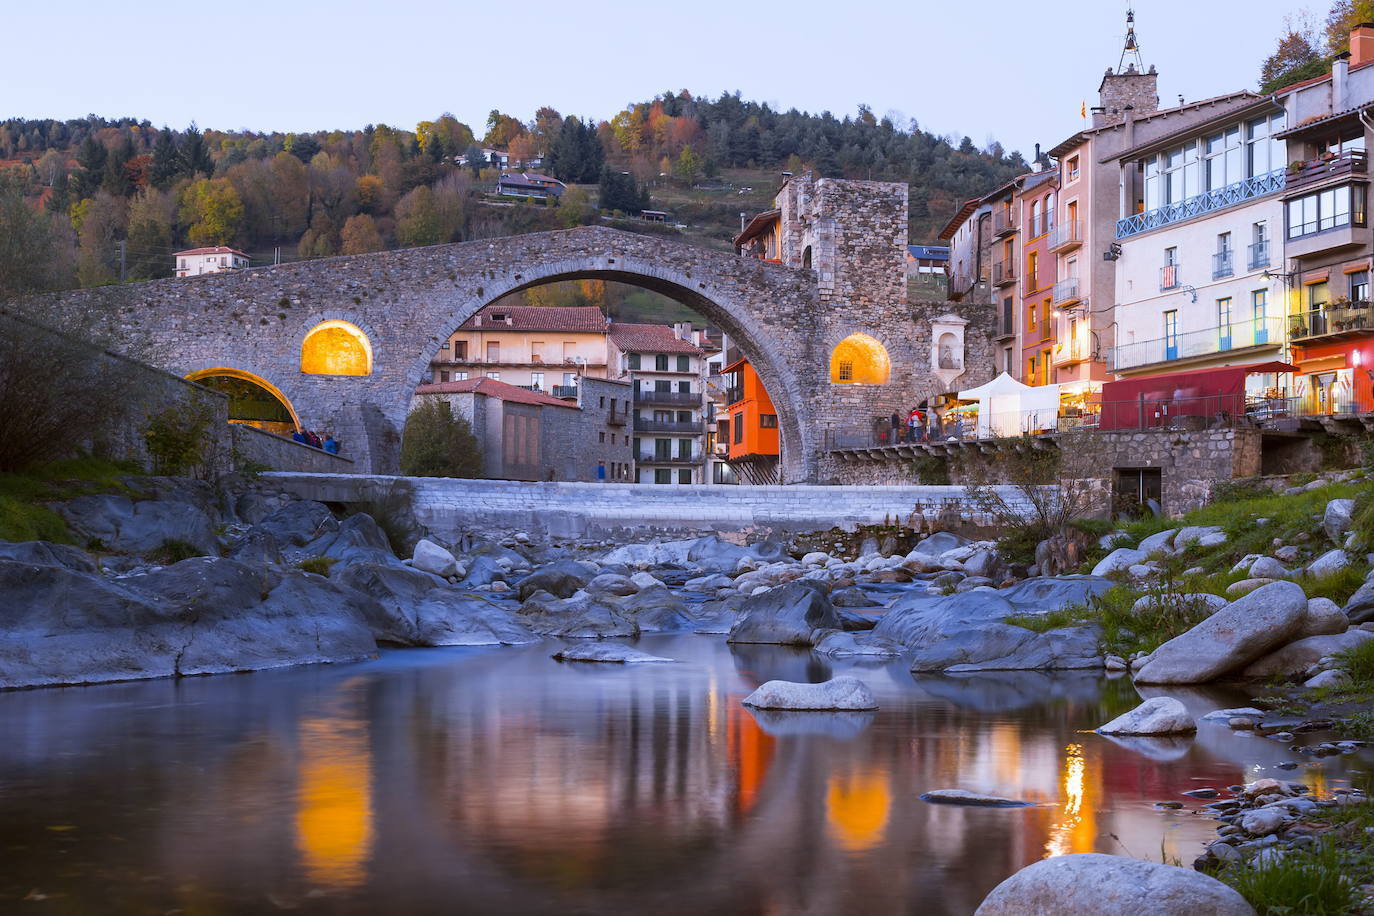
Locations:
(194, 154)
(91, 159)
(166, 160)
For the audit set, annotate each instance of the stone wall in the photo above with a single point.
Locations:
(254, 448)
(451, 509)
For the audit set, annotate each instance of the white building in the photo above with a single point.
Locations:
(196, 261)
(1200, 228)
(666, 367)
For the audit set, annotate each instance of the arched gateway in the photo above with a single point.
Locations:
(391, 311)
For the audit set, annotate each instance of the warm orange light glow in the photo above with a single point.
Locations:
(334, 802)
(336, 348)
(859, 360)
(225, 372)
(857, 807)
(1075, 830)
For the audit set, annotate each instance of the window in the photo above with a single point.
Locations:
(1009, 361)
(684, 364)
(443, 376)
(846, 372)
(684, 449)
(1223, 159)
(632, 360)
(663, 449)
(684, 387)
(493, 351)
(1263, 152)
(738, 425)
(663, 475)
(603, 436)
(460, 349)
(1046, 309)
(1171, 334)
(768, 421)
(1032, 269)
(684, 416)
(1328, 209)
(661, 384)
(684, 475)
(1030, 371)
(1030, 319)
(1221, 261)
(1035, 218)
(1258, 303)
(1073, 168)
(661, 362)
(460, 376)
(537, 379)
(494, 376)
(536, 351)
(602, 402)
(569, 379)
(1359, 286)
(1224, 323)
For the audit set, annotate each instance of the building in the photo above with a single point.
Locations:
(761, 237)
(529, 435)
(546, 349)
(749, 426)
(969, 234)
(666, 368)
(1327, 235)
(1031, 214)
(196, 261)
(530, 185)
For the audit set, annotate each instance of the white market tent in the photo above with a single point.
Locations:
(1008, 408)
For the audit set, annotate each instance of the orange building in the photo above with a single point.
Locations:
(752, 429)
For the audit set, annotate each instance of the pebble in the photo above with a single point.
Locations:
(1202, 793)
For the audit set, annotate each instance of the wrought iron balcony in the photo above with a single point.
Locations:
(1259, 255)
(1066, 291)
(565, 391)
(1168, 278)
(675, 398)
(1316, 171)
(1067, 235)
(667, 426)
(1041, 225)
(1006, 321)
(1222, 265)
(616, 418)
(1220, 339)
(655, 458)
(1207, 202)
(734, 395)
(1003, 222)
(1331, 320)
(1004, 272)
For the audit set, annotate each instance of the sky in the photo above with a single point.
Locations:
(987, 69)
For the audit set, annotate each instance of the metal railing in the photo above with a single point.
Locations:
(1229, 196)
(1315, 171)
(667, 426)
(655, 458)
(1168, 278)
(1006, 320)
(1066, 290)
(1066, 234)
(1329, 319)
(734, 395)
(1222, 265)
(1219, 339)
(1003, 222)
(682, 398)
(1004, 271)
(565, 391)
(1041, 225)
(1259, 254)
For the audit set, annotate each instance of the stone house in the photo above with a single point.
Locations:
(545, 349)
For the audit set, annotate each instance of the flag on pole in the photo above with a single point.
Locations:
(1083, 109)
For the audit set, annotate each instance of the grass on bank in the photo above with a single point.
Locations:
(1310, 881)
(23, 513)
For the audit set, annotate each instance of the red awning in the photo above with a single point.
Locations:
(1154, 399)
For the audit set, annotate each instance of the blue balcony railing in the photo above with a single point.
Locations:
(1219, 199)
(1236, 335)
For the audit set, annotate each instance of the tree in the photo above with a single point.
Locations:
(360, 235)
(1296, 58)
(90, 159)
(501, 130)
(476, 159)
(370, 192)
(34, 254)
(575, 209)
(1343, 16)
(302, 146)
(687, 166)
(618, 192)
(193, 154)
(417, 219)
(576, 155)
(166, 160)
(438, 443)
(212, 211)
(102, 226)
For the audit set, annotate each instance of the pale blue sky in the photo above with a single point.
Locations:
(985, 68)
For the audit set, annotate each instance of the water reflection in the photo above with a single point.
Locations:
(496, 780)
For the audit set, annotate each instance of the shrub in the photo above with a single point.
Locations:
(1338, 586)
(21, 520)
(175, 438)
(1304, 882)
(320, 566)
(173, 551)
(437, 443)
(393, 511)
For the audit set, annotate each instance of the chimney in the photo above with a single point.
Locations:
(1340, 81)
(1362, 44)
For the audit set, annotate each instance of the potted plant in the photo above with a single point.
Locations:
(1297, 329)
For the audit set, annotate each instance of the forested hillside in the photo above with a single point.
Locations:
(87, 201)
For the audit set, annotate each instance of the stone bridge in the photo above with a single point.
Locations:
(786, 319)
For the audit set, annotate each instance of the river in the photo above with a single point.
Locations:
(497, 780)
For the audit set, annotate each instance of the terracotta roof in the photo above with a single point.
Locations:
(492, 388)
(581, 318)
(757, 225)
(1319, 121)
(650, 338)
(958, 218)
(217, 250)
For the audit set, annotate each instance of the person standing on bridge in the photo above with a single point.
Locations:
(331, 445)
(896, 425)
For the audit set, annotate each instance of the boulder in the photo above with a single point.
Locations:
(613, 653)
(1158, 544)
(298, 523)
(971, 799)
(1298, 657)
(1330, 678)
(45, 553)
(1196, 534)
(1173, 600)
(434, 558)
(257, 547)
(482, 570)
(815, 558)
(1336, 519)
(938, 543)
(1156, 716)
(201, 616)
(1230, 639)
(1119, 560)
(643, 580)
(1106, 885)
(1268, 568)
(416, 608)
(851, 597)
(612, 584)
(786, 615)
(655, 610)
(843, 693)
(358, 539)
(562, 579)
(1360, 607)
(1330, 562)
(127, 526)
(1324, 618)
(986, 563)
(579, 617)
(842, 644)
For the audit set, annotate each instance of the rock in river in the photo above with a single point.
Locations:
(614, 653)
(1111, 886)
(972, 799)
(786, 615)
(1157, 716)
(838, 693)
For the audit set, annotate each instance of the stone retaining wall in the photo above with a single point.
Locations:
(630, 512)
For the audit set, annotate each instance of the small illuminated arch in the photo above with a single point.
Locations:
(247, 405)
(336, 348)
(859, 360)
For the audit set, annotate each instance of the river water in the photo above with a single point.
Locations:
(500, 781)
